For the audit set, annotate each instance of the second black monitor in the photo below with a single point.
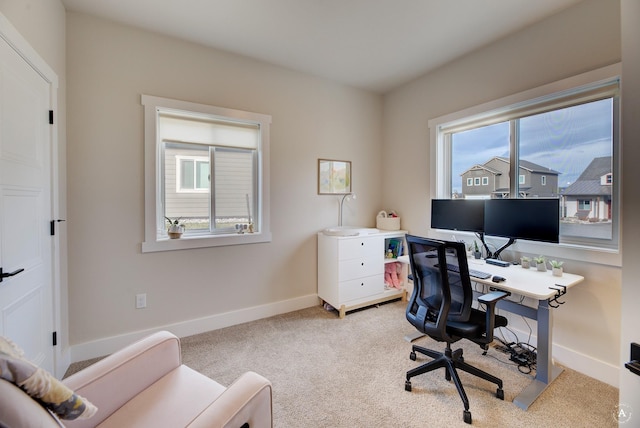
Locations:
(530, 219)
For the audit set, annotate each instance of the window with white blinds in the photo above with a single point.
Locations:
(209, 174)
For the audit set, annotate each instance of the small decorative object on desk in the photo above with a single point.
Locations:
(476, 251)
(541, 263)
(176, 229)
(525, 262)
(388, 220)
(556, 267)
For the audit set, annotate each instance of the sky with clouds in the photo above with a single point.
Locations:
(565, 140)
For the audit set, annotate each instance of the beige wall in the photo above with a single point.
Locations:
(110, 66)
(587, 331)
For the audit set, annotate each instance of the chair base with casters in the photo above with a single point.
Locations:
(450, 361)
(441, 306)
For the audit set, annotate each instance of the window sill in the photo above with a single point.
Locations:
(204, 242)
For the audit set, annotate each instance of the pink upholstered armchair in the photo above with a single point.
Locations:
(146, 385)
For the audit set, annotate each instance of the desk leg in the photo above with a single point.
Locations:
(545, 372)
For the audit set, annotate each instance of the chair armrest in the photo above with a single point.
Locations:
(116, 379)
(493, 297)
(246, 402)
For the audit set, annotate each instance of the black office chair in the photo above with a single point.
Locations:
(440, 306)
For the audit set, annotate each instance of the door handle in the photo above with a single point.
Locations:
(7, 275)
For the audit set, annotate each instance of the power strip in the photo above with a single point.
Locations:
(518, 354)
(520, 359)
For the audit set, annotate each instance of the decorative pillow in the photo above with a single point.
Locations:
(40, 384)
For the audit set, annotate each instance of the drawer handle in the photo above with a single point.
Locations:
(362, 264)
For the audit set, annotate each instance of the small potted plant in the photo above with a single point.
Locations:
(556, 267)
(525, 262)
(476, 251)
(541, 263)
(176, 229)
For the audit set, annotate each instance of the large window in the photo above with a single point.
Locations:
(206, 167)
(562, 144)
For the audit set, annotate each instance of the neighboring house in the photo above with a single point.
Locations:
(491, 180)
(589, 197)
(188, 178)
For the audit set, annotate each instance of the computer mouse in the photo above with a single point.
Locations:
(497, 278)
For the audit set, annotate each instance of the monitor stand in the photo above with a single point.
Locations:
(495, 255)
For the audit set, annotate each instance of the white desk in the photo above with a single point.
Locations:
(538, 286)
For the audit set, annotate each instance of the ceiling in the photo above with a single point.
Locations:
(371, 44)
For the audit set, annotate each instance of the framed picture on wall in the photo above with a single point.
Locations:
(334, 177)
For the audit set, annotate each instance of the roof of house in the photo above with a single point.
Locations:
(484, 167)
(524, 164)
(589, 181)
(530, 166)
(596, 169)
(587, 187)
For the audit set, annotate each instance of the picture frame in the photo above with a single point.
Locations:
(334, 177)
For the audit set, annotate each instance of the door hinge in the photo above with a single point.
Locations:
(55, 338)
(50, 117)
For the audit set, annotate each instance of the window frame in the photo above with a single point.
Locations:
(574, 90)
(152, 105)
(179, 184)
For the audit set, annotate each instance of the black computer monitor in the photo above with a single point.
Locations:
(530, 219)
(458, 214)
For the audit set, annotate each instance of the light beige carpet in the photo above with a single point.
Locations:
(328, 372)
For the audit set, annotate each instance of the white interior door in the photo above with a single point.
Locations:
(26, 299)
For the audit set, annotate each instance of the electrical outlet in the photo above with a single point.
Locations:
(141, 301)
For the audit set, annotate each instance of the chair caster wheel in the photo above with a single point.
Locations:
(407, 386)
(466, 415)
(412, 356)
(500, 393)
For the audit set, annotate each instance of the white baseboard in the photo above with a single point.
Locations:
(108, 345)
(585, 364)
(582, 363)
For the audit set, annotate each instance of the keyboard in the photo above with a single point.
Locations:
(472, 272)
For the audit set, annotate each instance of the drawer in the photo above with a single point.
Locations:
(359, 288)
(359, 268)
(361, 247)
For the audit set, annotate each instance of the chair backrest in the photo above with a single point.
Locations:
(441, 285)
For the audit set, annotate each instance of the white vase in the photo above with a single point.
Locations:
(542, 267)
(557, 271)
